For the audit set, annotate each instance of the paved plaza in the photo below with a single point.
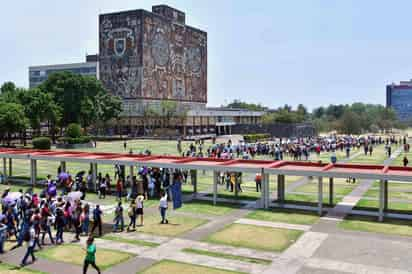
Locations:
(198, 241)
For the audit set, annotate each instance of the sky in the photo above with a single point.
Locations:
(273, 52)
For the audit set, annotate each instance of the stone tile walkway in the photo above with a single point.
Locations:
(273, 224)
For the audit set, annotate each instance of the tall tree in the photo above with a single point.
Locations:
(12, 120)
(8, 87)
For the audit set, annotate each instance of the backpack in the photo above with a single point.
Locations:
(26, 236)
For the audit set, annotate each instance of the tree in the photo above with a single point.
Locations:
(243, 105)
(349, 123)
(168, 110)
(82, 99)
(8, 87)
(12, 120)
(108, 108)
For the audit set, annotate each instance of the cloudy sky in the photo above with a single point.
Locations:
(267, 51)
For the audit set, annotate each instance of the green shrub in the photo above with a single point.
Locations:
(73, 131)
(252, 138)
(72, 141)
(41, 143)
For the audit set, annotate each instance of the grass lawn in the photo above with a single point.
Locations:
(177, 224)
(11, 269)
(340, 187)
(309, 199)
(74, 254)
(399, 160)
(255, 237)
(394, 207)
(285, 216)
(207, 207)
(129, 241)
(166, 266)
(227, 256)
(371, 224)
(378, 156)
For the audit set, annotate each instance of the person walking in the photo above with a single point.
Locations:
(30, 238)
(163, 207)
(258, 181)
(118, 218)
(405, 161)
(132, 215)
(90, 256)
(139, 208)
(97, 220)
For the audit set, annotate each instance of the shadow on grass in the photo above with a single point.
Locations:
(375, 209)
(232, 196)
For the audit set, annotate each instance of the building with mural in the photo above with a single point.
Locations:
(399, 97)
(150, 59)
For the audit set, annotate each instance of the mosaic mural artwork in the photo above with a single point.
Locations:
(145, 55)
(174, 61)
(120, 66)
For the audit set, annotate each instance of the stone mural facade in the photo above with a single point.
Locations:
(153, 55)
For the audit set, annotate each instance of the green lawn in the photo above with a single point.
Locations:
(11, 269)
(255, 237)
(399, 160)
(378, 156)
(309, 199)
(227, 256)
(178, 224)
(394, 207)
(294, 216)
(166, 266)
(74, 254)
(370, 224)
(129, 241)
(206, 207)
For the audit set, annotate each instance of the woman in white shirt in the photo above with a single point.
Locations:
(163, 207)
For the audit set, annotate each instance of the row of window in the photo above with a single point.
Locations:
(42, 73)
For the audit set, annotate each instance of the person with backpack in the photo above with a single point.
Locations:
(132, 215)
(46, 222)
(85, 219)
(118, 218)
(90, 256)
(30, 238)
(102, 188)
(60, 223)
(97, 219)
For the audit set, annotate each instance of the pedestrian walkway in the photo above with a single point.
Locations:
(273, 224)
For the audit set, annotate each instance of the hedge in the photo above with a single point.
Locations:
(72, 141)
(251, 138)
(41, 143)
(73, 131)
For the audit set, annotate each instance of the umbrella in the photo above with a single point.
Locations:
(12, 197)
(52, 190)
(81, 173)
(75, 195)
(63, 176)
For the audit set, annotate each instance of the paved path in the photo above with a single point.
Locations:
(273, 224)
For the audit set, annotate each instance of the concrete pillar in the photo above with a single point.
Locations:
(33, 171)
(265, 190)
(215, 178)
(94, 175)
(131, 171)
(194, 182)
(281, 188)
(5, 168)
(385, 195)
(381, 200)
(320, 195)
(10, 167)
(63, 166)
(331, 191)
